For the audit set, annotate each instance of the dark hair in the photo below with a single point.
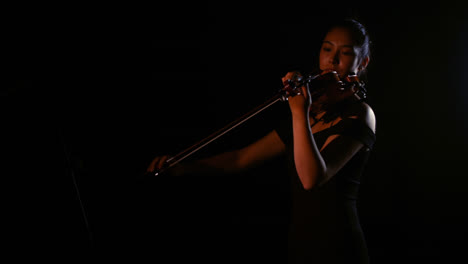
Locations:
(359, 34)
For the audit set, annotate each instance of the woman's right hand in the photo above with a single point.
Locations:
(157, 163)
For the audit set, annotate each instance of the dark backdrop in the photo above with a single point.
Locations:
(91, 95)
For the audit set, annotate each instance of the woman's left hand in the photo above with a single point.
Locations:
(299, 103)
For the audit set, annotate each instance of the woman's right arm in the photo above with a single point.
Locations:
(235, 161)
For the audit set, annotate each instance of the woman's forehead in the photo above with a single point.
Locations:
(339, 36)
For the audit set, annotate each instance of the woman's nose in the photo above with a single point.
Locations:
(334, 58)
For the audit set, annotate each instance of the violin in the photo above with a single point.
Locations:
(327, 83)
(318, 85)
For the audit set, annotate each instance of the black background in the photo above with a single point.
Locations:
(92, 94)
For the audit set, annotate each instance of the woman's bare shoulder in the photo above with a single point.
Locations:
(363, 112)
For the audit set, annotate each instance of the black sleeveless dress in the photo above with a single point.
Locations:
(324, 225)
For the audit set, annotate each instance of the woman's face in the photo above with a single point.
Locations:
(338, 53)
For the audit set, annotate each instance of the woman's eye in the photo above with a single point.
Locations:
(326, 49)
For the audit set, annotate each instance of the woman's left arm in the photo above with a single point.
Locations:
(316, 166)
(338, 149)
(313, 165)
(310, 165)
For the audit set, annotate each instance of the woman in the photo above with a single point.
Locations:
(327, 142)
